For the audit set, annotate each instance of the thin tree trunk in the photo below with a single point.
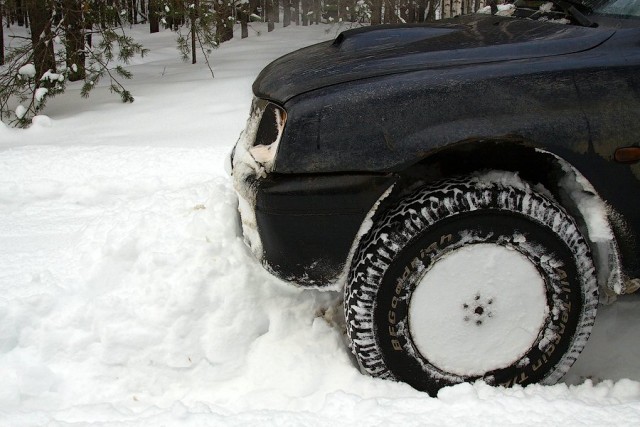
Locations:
(193, 16)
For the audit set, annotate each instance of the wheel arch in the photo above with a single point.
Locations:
(536, 166)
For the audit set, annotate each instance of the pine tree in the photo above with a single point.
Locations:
(33, 73)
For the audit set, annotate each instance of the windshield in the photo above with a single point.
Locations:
(620, 8)
(576, 12)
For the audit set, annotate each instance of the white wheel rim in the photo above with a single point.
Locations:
(478, 309)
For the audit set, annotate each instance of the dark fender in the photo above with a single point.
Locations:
(560, 104)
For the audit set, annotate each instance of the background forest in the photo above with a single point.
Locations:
(44, 44)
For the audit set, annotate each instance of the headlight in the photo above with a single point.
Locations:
(268, 136)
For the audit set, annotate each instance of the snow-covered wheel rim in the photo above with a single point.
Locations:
(398, 331)
(477, 314)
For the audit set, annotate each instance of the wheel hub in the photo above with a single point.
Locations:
(478, 310)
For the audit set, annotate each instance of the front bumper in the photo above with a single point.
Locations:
(301, 227)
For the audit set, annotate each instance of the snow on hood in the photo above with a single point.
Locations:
(390, 49)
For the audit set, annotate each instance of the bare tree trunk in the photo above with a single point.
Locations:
(431, 11)
(131, 12)
(270, 15)
(376, 12)
(20, 12)
(296, 11)
(385, 16)
(317, 11)
(1, 32)
(286, 13)
(390, 16)
(446, 8)
(245, 11)
(305, 12)
(407, 12)
(74, 39)
(143, 11)
(154, 20)
(456, 7)
(40, 14)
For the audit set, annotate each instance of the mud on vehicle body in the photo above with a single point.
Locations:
(392, 157)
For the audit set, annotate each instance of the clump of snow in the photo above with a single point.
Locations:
(52, 77)
(506, 9)
(561, 21)
(503, 178)
(129, 298)
(40, 93)
(41, 121)
(20, 111)
(546, 7)
(27, 70)
(597, 217)
(503, 10)
(244, 164)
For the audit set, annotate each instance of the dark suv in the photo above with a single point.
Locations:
(472, 183)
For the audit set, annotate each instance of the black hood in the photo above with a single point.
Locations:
(389, 49)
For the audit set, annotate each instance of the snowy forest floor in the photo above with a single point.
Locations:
(127, 297)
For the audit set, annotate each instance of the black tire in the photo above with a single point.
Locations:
(403, 246)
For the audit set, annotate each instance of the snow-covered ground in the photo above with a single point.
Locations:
(127, 297)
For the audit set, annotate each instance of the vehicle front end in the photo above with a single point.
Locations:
(301, 227)
(334, 126)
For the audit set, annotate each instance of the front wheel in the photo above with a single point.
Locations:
(468, 280)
